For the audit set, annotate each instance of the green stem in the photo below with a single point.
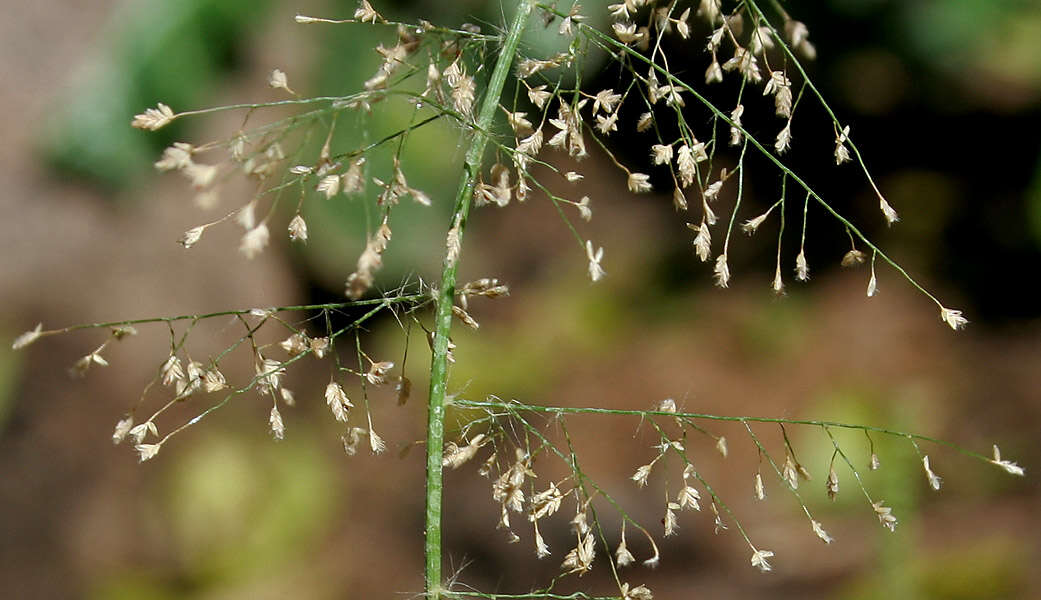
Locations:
(446, 297)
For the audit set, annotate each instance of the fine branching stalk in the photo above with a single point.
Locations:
(446, 298)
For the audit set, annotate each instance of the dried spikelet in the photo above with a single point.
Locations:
(605, 125)
(934, 480)
(139, 432)
(639, 183)
(841, 152)
(465, 317)
(758, 560)
(353, 180)
(721, 272)
(455, 456)
(351, 439)
(818, 530)
(28, 337)
(802, 268)
(789, 474)
(366, 14)
(832, 484)
(175, 157)
(661, 154)
(329, 185)
(714, 72)
(403, 389)
(885, 515)
(721, 446)
(644, 122)
(213, 381)
(171, 371)
(539, 96)
(953, 318)
(338, 402)
(319, 346)
(278, 429)
(154, 118)
(278, 80)
(295, 344)
(887, 211)
(580, 558)
(298, 229)
(377, 374)
(376, 443)
(853, 258)
(760, 490)
(190, 237)
(269, 375)
(622, 556)
(254, 241)
(784, 139)
(596, 272)
(123, 428)
(147, 451)
(689, 498)
(670, 522)
(1009, 466)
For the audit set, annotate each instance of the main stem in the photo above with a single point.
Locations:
(446, 298)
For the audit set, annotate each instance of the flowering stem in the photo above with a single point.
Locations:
(446, 298)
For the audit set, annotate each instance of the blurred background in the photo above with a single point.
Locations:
(945, 103)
